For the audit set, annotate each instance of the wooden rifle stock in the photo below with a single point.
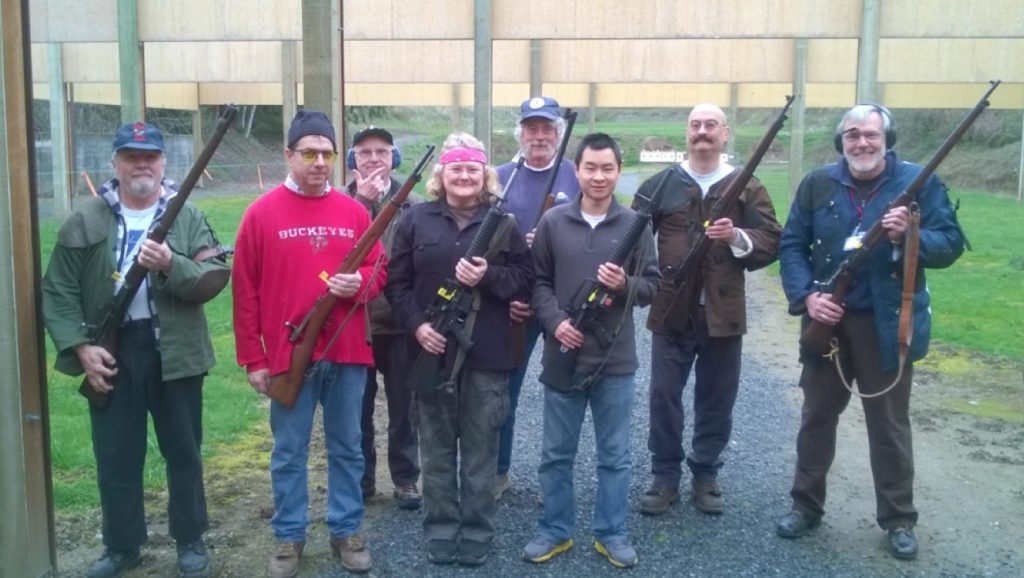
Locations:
(683, 283)
(284, 387)
(818, 336)
(106, 336)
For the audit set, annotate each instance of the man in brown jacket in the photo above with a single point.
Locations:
(711, 333)
(372, 159)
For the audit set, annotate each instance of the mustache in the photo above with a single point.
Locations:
(703, 138)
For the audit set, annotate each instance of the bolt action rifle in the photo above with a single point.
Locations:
(818, 336)
(284, 387)
(106, 332)
(683, 282)
(450, 311)
(592, 301)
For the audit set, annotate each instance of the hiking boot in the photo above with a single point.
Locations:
(708, 496)
(658, 499)
(113, 563)
(796, 524)
(542, 549)
(442, 551)
(473, 553)
(902, 543)
(285, 562)
(502, 484)
(354, 555)
(408, 497)
(193, 562)
(618, 551)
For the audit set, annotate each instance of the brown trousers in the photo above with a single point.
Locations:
(887, 419)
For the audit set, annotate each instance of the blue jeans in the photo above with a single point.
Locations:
(611, 406)
(339, 389)
(515, 385)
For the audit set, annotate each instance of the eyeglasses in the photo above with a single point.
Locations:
(366, 154)
(309, 156)
(709, 125)
(853, 136)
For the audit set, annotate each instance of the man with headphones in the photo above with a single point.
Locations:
(372, 159)
(834, 206)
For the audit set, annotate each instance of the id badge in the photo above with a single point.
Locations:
(855, 240)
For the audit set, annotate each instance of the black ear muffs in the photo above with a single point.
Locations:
(396, 158)
(887, 122)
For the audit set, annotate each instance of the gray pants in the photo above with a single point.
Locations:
(673, 354)
(459, 451)
(887, 418)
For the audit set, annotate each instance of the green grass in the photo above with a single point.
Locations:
(230, 408)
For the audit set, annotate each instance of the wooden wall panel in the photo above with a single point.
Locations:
(214, 61)
(951, 60)
(73, 20)
(952, 18)
(219, 20)
(403, 20)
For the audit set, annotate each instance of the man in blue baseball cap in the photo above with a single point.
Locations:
(538, 132)
(163, 351)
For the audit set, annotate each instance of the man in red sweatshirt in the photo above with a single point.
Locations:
(290, 241)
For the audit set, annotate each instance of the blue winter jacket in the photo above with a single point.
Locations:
(824, 215)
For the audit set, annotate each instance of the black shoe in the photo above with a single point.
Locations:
(114, 563)
(193, 562)
(796, 524)
(442, 551)
(473, 553)
(902, 543)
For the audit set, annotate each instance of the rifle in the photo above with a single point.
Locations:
(817, 336)
(549, 199)
(284, 387)
(106, 333)
(592, 301)
(451, 309)
(683, 282)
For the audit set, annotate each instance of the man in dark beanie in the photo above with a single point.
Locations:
(288, 238)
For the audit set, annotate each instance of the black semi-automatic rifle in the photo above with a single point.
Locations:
(818, 336)
(683, 283)
(106, 330)
(590, 304)
(450, 310)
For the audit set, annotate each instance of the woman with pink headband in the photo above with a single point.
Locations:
(459, 428)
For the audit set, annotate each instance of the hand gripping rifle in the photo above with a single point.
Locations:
(450, 310)
(592, 301)
(106, 333)
(818, 336)
(683, 283)
(284, 387)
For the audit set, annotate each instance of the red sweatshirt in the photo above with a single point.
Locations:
(286, 242)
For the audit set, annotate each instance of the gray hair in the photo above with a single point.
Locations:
(861, 112)
(559, 128)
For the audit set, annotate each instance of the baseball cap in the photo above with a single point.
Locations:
(372, 131)
(139, 135)
(539, 107)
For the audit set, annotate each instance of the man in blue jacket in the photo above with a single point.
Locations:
(834, 206)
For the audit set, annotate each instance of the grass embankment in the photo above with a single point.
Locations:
(230, 408)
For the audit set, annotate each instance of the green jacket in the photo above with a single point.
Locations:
(79, 285)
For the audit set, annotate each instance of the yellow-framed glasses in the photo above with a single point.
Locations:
(309, 156)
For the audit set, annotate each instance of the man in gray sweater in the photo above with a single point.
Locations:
(583, 259)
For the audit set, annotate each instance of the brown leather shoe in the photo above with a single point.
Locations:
(658, 499)
(354, 555)
(708, 496)
(285, 562)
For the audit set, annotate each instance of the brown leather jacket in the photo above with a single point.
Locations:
(678, 224)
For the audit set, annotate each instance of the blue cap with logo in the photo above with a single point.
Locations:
(140, 136)
(539, 107)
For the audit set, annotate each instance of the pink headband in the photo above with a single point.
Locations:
(462, 155)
